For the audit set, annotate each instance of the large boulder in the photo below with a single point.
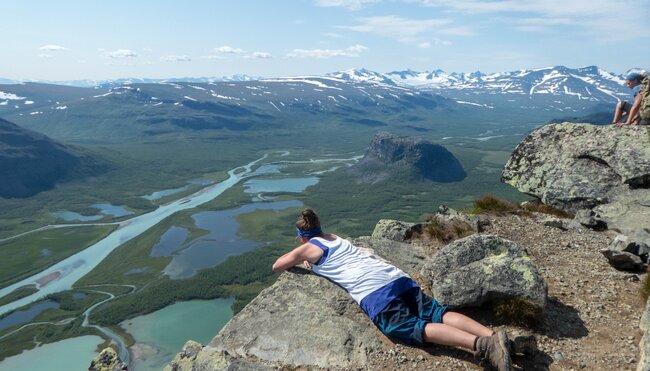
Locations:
(484, 268)
(579, 166)
(390, 156)
(302, 320)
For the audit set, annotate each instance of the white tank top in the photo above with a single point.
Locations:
(359, 274)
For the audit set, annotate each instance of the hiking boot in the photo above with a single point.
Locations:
(495, 349)
(523, 344)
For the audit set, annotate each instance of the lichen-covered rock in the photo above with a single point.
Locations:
(484, 268)
(196, 357)
(579, 166)
(107, 360)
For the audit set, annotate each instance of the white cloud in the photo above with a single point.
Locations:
(398, 27)
(434, 41)
(332, 35)
(260, 55)
(357, 48)
(47, 56)
(229, 50)
(53, 48)
(348, 4)
(176, 58)
(411, 31)
(595, 17)
(122, 53)
(352, 51)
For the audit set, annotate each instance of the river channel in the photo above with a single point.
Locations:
(64, 274)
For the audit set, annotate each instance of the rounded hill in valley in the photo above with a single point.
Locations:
(31, 162)
(392, 156)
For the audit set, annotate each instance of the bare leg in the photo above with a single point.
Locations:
(456, 329)
(617, 112)
(439, 333)
(462, 322)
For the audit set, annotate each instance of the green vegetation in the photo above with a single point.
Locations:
(43, 333)
(36, 251)
(18, 293)
(448, 231)
(170, 159)
(491, 205)
(519, 311)
(60, 323)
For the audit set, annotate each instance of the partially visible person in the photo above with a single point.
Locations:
(392, 300)
(623, 108)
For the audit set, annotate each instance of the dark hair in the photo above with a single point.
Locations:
(307, 220)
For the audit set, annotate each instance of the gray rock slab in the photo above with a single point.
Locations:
(302, 320)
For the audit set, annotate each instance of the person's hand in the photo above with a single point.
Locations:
(307, 265)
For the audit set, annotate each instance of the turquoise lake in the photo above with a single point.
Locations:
(161, 335)
(65, 355)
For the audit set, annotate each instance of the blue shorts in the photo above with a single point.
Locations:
(405, 317)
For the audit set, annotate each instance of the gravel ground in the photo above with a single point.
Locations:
(592, 318)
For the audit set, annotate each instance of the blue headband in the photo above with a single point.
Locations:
(310, 233)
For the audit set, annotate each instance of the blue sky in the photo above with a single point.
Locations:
(65, 40)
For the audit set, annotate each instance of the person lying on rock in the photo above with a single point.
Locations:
(392, 300)
(629, 111)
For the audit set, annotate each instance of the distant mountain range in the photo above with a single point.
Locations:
(589, 83)
(130, 108)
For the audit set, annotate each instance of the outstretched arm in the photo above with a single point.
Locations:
(306, 251)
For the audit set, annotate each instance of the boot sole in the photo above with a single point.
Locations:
(505, 348)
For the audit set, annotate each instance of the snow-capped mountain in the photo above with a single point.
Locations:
(587, 83)
(362, 75)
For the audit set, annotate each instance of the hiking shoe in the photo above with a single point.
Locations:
(495, 349)
(523, 344)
